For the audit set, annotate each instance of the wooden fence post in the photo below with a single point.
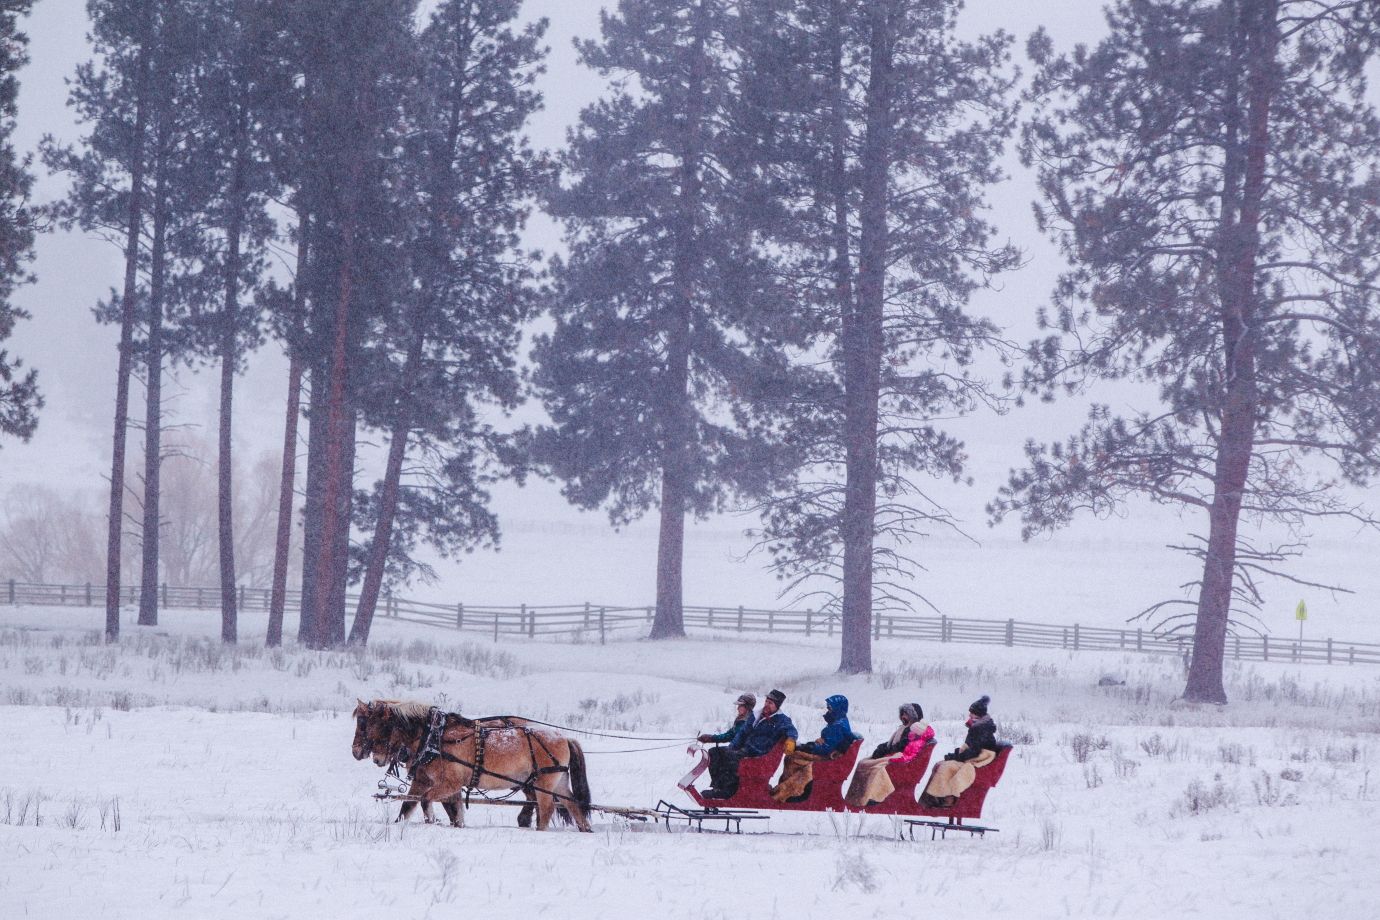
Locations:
(711, 617)
(876, 626)
(531, 620)
(1265, 647)
(1075, 637)
(601, 625)
(1329, 651)
(241, 597)
(459, 616)
(1010, 633)
(586, 620)
(1138, 638)
(771, 620)
(809, 615)
(649, 615)
(11, 592)
(198, 599)
(165, 594)
(495, 624)
(943, 628)
(88, 594)
(740, 618)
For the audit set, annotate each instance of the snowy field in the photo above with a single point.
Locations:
(170, 776)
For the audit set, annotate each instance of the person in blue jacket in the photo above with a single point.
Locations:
(753, 739)
(797, 773)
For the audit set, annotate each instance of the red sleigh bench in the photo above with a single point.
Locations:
(905, 777)
(969, 804)
(754, 783)
(826, 785)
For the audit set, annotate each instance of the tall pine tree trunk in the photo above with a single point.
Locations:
(1236, 438)
(312, 538)
(388, 503)
(338, 459)
(862, 356)
(153, 405)
(333, 627)
(135, 218)
(677, 426)
(287, 483)
(229, 612)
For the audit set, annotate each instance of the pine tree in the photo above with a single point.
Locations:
(19, 396)
(880, 131)
(670, 327)
(233, 79)
(355, 59)
(1212, 172)
(470, 176)
(114, 95)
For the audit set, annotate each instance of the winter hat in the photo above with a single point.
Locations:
(979, 707)
(748, 700)
(777, 697)
(837, 703)
(913, 710)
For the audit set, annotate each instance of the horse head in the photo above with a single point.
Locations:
(360, 746)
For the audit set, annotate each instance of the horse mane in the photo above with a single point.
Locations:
(405, 710)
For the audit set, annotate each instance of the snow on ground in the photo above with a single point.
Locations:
(236, 795)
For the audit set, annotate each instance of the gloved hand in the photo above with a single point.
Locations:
(790, 746)
(705, 738)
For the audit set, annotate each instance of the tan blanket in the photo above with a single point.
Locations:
(871, 783)
(797, 770)
(952, 777)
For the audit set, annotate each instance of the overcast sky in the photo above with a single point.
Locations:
(1096, 571)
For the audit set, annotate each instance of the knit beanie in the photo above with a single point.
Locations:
(979, 707)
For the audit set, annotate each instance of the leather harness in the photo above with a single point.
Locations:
(433, 744)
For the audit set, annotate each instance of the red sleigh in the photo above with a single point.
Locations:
(827, 790)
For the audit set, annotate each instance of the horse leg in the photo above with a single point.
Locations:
(427, 816)
(546, 804)
(453, 812)
(573, 806)
(405, 811)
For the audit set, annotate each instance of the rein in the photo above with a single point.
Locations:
(586, 731)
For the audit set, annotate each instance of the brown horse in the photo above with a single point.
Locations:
(373, 732)
(488, 755)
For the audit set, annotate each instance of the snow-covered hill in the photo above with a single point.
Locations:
(236, 796)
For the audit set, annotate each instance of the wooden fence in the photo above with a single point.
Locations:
(602, 622)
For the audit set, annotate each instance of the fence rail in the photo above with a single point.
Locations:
(605, 621)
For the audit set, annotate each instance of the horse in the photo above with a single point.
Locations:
(449, 756)
(373, 731)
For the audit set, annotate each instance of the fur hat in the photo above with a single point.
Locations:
(913, 710)
(777, 697)
(748, 700)
(979, 707)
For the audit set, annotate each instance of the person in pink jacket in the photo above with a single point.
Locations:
(871, 783)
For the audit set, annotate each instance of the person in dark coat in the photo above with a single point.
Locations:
(752, 740)
(982, 733)
(797, 772)
(959, 769)
(744, 717)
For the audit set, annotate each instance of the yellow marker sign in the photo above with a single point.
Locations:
(1301, 612)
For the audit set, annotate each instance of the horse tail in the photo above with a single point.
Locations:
(579, 776)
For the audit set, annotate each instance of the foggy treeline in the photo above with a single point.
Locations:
(774, 221)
